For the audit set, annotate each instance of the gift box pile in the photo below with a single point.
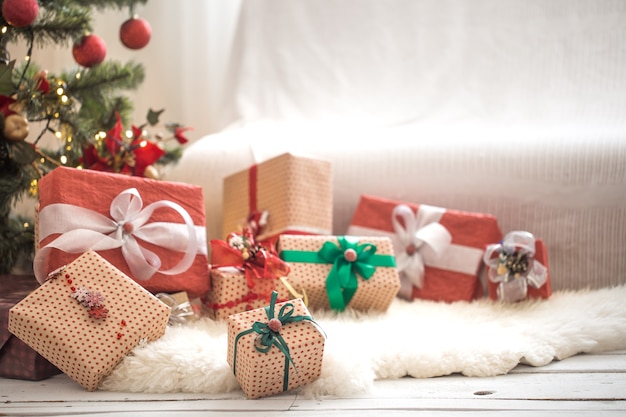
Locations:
(275, 349)
(17, 359)
(285, 194)
(153, 231)
(86, 317)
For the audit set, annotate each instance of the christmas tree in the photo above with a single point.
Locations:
(82, 108)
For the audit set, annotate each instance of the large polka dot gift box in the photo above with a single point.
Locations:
(338, 272)
(285, 194)
(86, 317)
(276, 348)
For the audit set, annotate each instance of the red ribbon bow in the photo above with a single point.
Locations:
(260, 263)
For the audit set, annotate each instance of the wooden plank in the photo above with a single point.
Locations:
(554, 386)
(410, 393)
(607, 362)
(314, 407)
(585, 385)
(588, 386)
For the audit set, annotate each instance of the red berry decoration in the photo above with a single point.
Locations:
(135, 33)
(20, 13)
(89, 51)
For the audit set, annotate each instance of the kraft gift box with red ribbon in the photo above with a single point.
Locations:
(285, 194)
(338, 272)
(86, 317)
(153, 231)
(276, 348)
(244, 273)
(17, 359)
(438, 251)
(517, 268)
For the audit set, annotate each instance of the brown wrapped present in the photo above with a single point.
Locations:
(342, 271)
(275, 349)
(86, 317)
(17, 359)
(243, 275)
(285, 194)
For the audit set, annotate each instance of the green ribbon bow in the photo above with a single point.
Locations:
(349, 258)
(269, 337)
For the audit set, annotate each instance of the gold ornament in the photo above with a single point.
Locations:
(15, 128)
(151, 172)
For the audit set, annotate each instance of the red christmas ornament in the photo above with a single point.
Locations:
(135, 33)
(89, 51)
(20, 13)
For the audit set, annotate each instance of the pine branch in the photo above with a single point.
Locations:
(16, 239)
(97, 4)
(14, 182)
(60, 22)
(101, 79)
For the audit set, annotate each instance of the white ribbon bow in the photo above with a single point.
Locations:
(421, 238)
(536, 275)
(82, 229)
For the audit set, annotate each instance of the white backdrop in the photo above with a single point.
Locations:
(185, 60)
(445, 61)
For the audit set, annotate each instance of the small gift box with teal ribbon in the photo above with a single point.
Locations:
(342, 271)
(276, 348)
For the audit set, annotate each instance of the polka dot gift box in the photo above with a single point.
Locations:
(337, 272)
(86, 317)
(244, 273)
(285, 194)
(275, 349)
(17, 359)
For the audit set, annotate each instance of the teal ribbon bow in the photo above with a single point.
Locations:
(349, 259)
(269, 336)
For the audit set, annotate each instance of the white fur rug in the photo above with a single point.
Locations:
(421, 339)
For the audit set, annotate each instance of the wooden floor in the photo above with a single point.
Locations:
(584, 385)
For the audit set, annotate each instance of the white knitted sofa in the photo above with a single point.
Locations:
(509, 108)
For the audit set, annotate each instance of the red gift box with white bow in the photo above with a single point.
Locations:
(438, 251)
(153, 231)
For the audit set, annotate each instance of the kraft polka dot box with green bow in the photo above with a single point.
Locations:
(338, 272)
(86, 317)
(276, 348)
